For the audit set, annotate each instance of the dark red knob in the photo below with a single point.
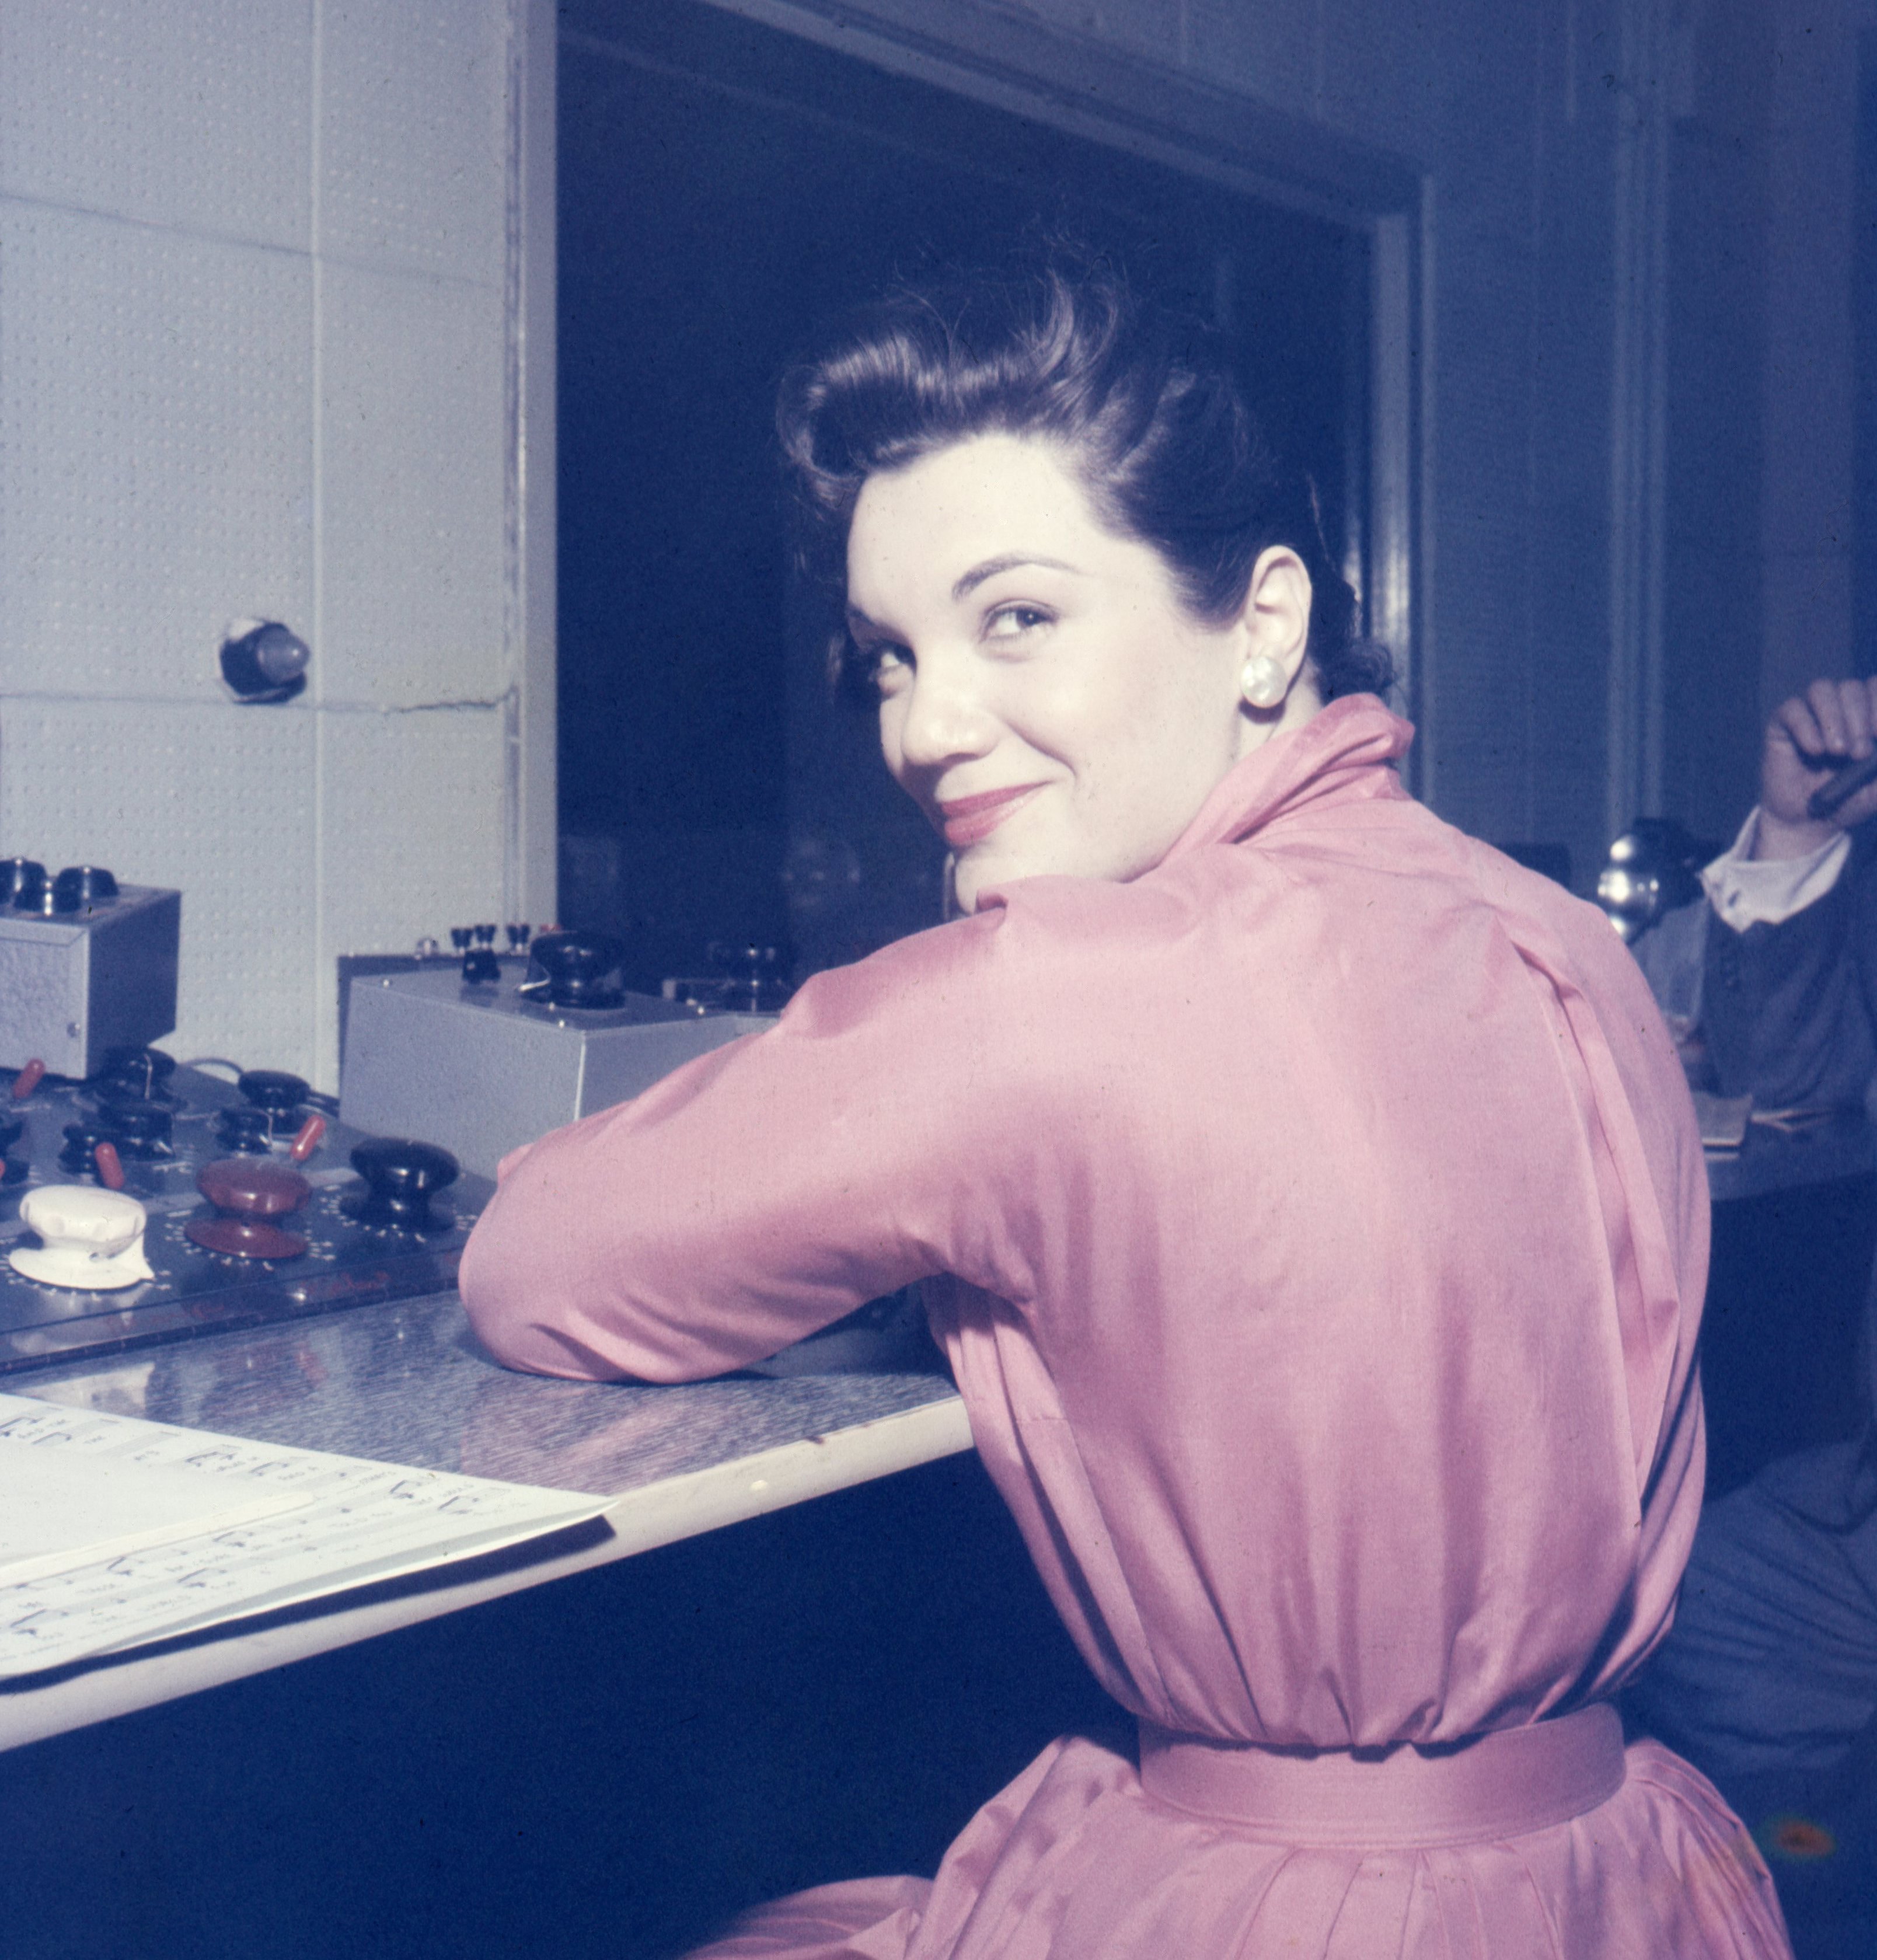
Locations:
(253, 1186)
(247, 1194)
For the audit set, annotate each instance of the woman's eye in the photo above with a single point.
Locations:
(1011, 623)
(883, 665)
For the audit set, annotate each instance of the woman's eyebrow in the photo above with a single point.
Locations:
(969, 581)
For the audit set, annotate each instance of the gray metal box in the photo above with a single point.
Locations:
(74, 985)
(479, 1069)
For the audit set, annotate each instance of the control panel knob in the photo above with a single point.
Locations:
(82, 888)
(400, 1178)
(242, 1126)
(22, 884)
(83, 1139)
(139, 1128)
(758, 981)
(274, 1090)
(89, 1240)
(248, 1194)
(580, 967)
(13, 1169)
(143, 1072)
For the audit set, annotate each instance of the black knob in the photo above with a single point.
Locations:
(273, 1089)
(400, 1177)
(485, 935)
(82, 1139)
(140, 1129)
(579, 968)
(245, 1129)
(82, 888)
(12, 1168)
(22, 884)
(757, 974)
(518, 937)
(143, 1072)
(459, 937)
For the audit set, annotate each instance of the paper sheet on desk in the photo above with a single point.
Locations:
(115, 1532)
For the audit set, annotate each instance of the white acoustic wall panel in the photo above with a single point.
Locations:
(412, 432)
(413, 838)
(215, 800)
(155, 450)
(413, 143)
(194, 113)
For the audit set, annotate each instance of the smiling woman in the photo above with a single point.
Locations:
(1308, 1200)
(1046, 697)
(1094, 543)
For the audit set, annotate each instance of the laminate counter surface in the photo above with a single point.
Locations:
(405, 1382)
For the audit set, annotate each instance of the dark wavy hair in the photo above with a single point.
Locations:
(1142, 403)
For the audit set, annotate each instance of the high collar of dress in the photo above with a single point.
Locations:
(1340, 756)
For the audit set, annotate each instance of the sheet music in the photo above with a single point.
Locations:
(115, 1532)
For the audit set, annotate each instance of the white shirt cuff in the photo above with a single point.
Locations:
(1746, 890)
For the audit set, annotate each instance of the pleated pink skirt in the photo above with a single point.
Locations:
(1075, 1860)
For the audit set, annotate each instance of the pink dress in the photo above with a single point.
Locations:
(1320, 1228)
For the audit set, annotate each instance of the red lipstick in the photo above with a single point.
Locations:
(970, 819)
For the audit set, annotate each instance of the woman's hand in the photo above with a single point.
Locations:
(1809, 738)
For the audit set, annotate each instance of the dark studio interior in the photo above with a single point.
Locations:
(725, 190)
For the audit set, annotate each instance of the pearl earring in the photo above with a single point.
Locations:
(1263, 683)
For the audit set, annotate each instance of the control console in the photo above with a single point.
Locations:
(87, 964)
(489, 1054)
(153, 1202)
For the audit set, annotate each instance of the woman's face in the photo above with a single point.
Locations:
(1045, 697)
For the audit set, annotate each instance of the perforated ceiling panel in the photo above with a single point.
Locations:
(216, 801)
(411, 430)
(155, 450)
(413, 144)
(191, 113)
(414, 834)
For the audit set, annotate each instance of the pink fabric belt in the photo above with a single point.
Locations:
(1499, 1785)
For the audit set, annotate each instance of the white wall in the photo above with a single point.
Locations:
(254, 359)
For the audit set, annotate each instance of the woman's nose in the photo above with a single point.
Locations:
(945, 718)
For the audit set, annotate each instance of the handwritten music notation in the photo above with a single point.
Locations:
(115, 1532)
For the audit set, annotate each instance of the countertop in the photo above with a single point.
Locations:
(405, 1382)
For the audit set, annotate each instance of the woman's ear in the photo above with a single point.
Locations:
(1276, 689)
(1277, 612)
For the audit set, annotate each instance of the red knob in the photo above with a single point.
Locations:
(253, 1186)
(248, 1193)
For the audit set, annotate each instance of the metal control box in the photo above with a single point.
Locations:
(479, 1069)
(74, 985)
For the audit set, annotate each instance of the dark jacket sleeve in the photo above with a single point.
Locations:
(1788, 1009)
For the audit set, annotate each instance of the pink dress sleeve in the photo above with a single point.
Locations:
(767, 1189)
